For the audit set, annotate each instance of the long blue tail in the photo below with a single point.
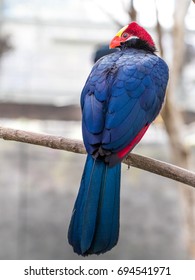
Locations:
(94, 226)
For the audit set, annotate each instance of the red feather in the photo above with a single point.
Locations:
(136, 30)
(135, 141)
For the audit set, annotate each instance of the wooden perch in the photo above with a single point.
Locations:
(57, 142)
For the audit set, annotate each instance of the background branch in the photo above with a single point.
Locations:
(75, 146)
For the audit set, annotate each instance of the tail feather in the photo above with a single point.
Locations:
(107, 223)
(94, 226)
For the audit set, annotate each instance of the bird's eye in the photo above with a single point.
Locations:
(125, 35)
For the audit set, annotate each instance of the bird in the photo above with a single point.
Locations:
(122, 96)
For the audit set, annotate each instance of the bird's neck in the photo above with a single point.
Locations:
(138, 44)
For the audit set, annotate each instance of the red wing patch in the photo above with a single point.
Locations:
(133, 143)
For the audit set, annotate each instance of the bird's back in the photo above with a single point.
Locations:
(123, 93)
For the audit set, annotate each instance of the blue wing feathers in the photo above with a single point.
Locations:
(114, 119)
(147, 99)
(132, 84)
(93, 111)
(138, 91)
(139, 77)
(90, 140)
(118, 143)
(116, 104)
(126, 123)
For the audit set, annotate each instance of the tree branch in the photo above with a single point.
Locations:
(75, 146)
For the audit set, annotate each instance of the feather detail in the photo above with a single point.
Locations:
(94, 226)
(133, 143)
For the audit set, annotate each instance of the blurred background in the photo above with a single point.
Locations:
(47, 49)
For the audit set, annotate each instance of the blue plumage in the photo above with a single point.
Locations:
(95, 219)
(131, 81)
(122, 96)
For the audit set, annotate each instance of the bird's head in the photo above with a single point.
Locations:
(129, 32)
